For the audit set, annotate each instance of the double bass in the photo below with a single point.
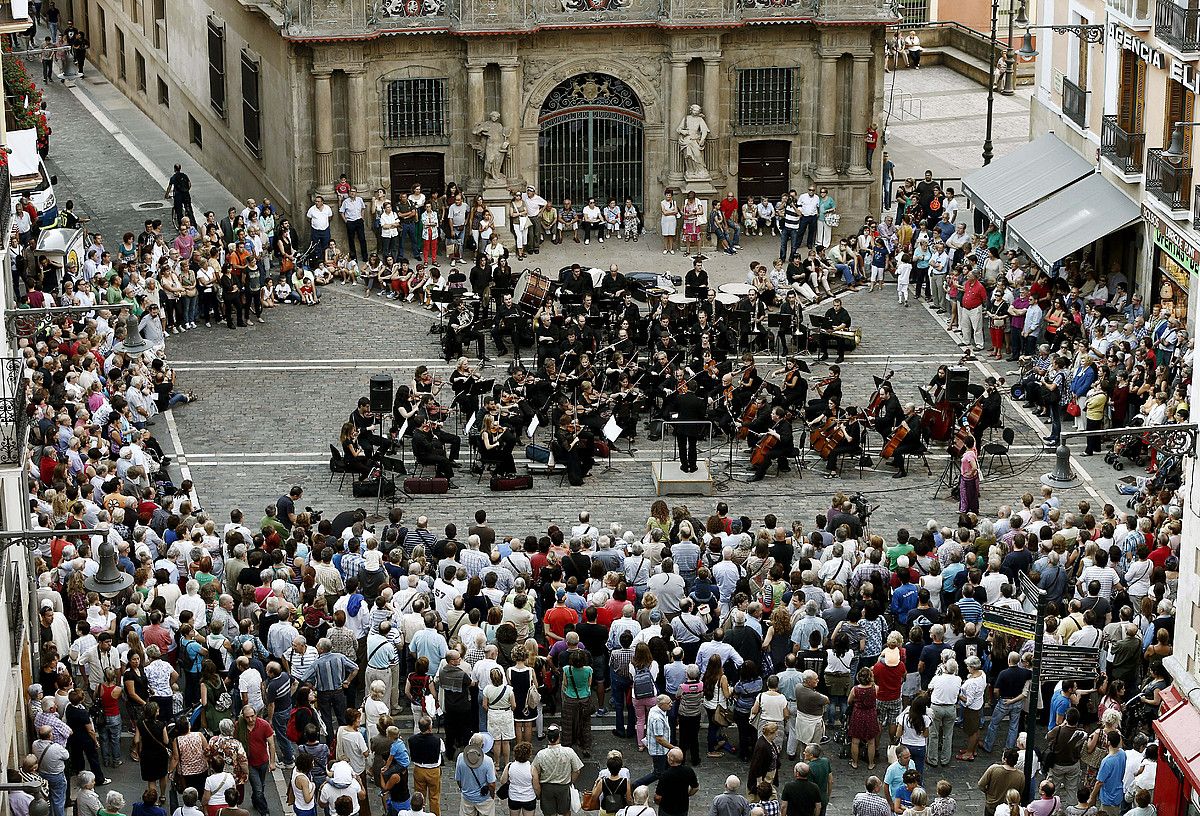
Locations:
(762, 451)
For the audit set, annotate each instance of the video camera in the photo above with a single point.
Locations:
(315, 515)
(862, 508)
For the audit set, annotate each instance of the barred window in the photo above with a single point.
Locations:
(416, 110)
(766, 98)
(916, 12)
(251, 105)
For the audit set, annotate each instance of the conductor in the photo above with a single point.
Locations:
(688, 410)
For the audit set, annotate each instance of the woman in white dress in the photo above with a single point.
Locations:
(499, 702)
(669, 222)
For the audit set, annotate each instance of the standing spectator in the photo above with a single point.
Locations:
(256, 734)
(475, 774)
(51, 761)
(999, 779)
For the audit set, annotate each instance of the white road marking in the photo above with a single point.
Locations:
(133, 150)
(1089, 484)
(180, 458)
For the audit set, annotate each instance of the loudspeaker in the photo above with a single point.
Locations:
(381, 393)
(956, 384)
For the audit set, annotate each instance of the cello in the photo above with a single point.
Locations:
(898, 436)
(762, 451)
(877, 399)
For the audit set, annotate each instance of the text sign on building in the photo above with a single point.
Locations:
(1060, 662)
(1172, 242)
(1182, 72)
(1009, 621)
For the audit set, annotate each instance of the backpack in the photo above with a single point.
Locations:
(643, 684)
(293, 730)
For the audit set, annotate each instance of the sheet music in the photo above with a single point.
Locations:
(533, 426)
(470, 424)
(403, 430)
(612, 430)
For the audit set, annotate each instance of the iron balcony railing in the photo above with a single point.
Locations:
(1169, 183)
(1177, 26)
(1135, 10)
(1196, 208)
(1074, 103)
(1124, 150)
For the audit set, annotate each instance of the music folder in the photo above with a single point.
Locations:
(611, 430)
(533, 426)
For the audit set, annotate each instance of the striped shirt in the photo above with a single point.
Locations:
(351, 565)
(474, 562)
(418, 538)
(331, 670)
(301, 663)
(972, 610)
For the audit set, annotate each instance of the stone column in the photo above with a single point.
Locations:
(510, 115)
(676, 110)
(827, 118)
(712, 92)
(860, 114)
(475, 111)
(357, 81)
(323, 129)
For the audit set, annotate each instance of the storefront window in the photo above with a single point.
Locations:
(1171, 287)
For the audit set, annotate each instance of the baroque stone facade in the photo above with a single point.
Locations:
(591, 93)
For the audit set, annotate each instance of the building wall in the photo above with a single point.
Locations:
(1058, 58)
(180, 60)
(296, 73)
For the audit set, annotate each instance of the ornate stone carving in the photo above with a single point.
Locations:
(693, 134)
(490, 140)
(388, 10)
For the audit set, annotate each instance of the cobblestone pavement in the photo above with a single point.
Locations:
(273, 397)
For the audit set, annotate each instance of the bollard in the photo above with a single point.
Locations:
(1062, 478)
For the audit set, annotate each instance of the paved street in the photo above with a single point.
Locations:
(272, 397)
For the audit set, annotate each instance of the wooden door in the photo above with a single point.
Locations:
(426, 169)
(763, 168)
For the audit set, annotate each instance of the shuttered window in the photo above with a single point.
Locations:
(216, 66)
(251, 112)
(1180, 106)
(1131, 97)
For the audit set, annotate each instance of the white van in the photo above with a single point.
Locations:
(29, 176)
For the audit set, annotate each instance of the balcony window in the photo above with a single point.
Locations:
(1167, 181)
(1177, 26)
(216, 66)
(251, 104)
(1125, 150)
(1074, 103)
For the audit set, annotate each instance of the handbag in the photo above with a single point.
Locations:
(576, 800)
(832, 219)
(1073, 409)
(591, 800)
(588, 703)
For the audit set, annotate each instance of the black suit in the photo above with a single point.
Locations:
(687, 408)
(428, 451)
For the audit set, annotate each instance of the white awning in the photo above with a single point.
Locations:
(1072, 219)
(1017, 181)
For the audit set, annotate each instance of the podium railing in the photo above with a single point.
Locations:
(669, 426)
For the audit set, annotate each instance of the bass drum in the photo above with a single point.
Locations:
(532, 290)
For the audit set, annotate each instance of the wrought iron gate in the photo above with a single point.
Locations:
(590, 141)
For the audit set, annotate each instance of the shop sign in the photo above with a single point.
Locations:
(1172, 242)
(1182, 72)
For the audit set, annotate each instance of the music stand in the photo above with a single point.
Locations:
(775, 321)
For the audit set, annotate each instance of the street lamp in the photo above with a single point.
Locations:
(987, 139)
(1177, 149)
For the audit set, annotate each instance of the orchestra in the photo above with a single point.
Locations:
(610, 354)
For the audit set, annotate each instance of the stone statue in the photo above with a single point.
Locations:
(491, 143)
(693, 133)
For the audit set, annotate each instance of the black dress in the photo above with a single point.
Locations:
(155, 754)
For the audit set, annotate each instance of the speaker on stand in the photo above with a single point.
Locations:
(956, 385)
(381, 393)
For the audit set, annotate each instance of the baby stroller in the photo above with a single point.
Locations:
(1132, 448)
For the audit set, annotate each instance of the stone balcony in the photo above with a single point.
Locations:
(319, 19)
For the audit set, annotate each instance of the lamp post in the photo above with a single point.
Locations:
(1010, 57)
(987, 138)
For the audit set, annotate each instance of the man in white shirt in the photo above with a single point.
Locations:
(533, 205)
(319, 217)
(352, 209)
(250, 684)
(810, 206)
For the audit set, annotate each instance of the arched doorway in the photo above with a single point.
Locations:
(590, 141)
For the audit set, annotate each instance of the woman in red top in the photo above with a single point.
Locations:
(416, 687)
(110, 727)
